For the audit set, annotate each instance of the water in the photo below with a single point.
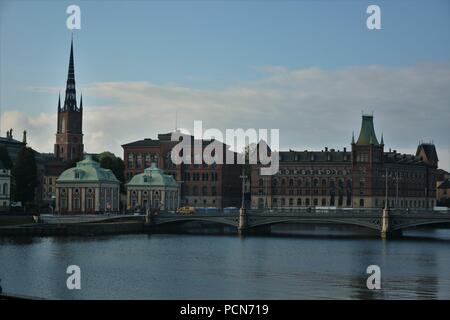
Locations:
(177, 266)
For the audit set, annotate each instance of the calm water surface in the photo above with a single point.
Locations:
(176, 266)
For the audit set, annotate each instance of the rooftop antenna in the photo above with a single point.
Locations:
(176, 120)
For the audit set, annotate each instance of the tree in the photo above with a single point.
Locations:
(109, 161)
(25, 176)
(4, 157)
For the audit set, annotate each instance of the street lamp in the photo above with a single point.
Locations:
(243, 177)
(396, 179)
(386, 176)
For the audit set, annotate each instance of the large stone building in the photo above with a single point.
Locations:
(5, 187)
(350, 178)
(153, 189)
(87, 188)
(202, 185)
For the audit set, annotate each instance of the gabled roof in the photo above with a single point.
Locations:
(445, 184)
(143, 143)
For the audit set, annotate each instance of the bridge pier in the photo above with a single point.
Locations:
(385, 227)
(242, 221)
(148, 218)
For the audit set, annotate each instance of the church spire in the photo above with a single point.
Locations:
(59, 101)
(81, 101)
(70, 102)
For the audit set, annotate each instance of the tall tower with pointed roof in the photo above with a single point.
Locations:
(69, 134)
(367, 164)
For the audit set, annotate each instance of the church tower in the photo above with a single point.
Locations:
(367, 165)
(69, 134)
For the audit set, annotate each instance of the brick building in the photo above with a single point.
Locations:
(350, 178)
(202, 185)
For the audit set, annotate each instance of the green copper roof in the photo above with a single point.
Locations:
(152, 177)
(87, 170)
(367, 134)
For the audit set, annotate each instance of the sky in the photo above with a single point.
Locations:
(307, 68)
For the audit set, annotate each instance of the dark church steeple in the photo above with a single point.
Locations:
(69, 134)
(70, 102)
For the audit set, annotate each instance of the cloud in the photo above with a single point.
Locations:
(312, 108)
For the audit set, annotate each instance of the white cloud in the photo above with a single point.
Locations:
(312, 108)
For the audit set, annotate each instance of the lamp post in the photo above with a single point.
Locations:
(386, 176)
(243, 177)
(396, 179)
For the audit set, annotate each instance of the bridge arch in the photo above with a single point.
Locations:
(229, 221)
(374, 225)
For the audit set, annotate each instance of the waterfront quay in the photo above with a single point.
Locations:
(384, 222)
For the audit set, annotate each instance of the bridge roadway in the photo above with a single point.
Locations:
(385, 221)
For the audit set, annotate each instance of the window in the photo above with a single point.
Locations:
(148, 160)
(130, 161)
(5, 188)
(139, 161)
(361, 202)
(76, 203)
(90, 203)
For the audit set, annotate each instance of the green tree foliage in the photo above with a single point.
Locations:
(4, 157)
(25, 176)
(109, 161)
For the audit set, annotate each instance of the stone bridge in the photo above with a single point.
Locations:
(384, 221)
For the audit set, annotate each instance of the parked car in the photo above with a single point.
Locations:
(186, 210)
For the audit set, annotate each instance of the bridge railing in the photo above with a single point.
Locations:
(312, 210)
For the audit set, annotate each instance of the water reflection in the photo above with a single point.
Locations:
(180, 266)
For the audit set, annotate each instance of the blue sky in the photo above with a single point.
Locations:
(210, 46)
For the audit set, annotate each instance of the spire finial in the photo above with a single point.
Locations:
(59, 101)
(81, 100)
(382, 140)
(353, 137)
